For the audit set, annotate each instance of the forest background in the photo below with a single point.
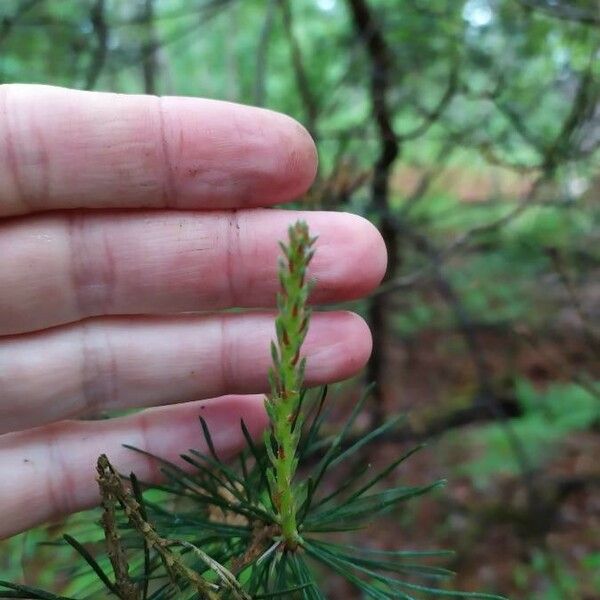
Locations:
(468, 131)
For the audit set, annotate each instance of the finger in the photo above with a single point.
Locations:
(51, 470)
(63, 148)
(116, 363)
(63, 267)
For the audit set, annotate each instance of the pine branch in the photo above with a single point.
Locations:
(256, 531)
(286, 377)
(111, 487)
(124, 587)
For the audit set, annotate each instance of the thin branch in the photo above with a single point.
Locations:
(438, 426)
(379, 57)
(433, 116)
(492, 226)
(8, 23)
(112, 488)
(206, 12)
(307, 96)
(565, 12)
(491, 156)
(582, 110)
(262, 53)
(100, 28)
(149, 48)
(516, 120)
(127, 589)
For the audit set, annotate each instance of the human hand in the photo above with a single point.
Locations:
(126, 224)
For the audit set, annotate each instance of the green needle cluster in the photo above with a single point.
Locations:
(255, 530)
(286, 377)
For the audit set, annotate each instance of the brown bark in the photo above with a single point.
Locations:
(379, 57)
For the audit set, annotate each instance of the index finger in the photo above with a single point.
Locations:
(63, 149)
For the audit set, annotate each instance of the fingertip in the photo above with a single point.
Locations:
(226, 155)
(298, 164)
(249, 409)
(358, 344)
(351, 257)
(338, 346)
(371, 247)
(223, 417)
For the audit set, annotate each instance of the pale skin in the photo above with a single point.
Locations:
(127, 225)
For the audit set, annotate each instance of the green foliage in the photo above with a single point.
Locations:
(548, 227)
(219, 531)
(499, 284)
(517, 73)
(286, 377)
(562, 582)
(548, 416)
(248, 528)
